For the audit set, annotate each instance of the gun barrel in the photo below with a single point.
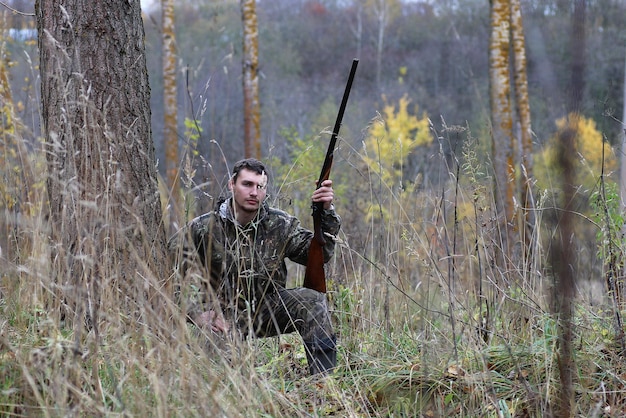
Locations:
(314, 276)
(328, 161)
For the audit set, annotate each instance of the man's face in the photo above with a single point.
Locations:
(249, 191)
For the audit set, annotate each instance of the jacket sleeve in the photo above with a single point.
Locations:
(300, 238)
(331, 222)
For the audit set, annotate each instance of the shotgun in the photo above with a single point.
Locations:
(314, 277)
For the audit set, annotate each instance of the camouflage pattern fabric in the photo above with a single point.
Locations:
(242, 268)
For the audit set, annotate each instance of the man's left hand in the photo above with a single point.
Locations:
(324, 194)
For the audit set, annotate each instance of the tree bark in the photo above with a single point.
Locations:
(502, 122)
(251, 105)
(523, 112)
(106, 232)
(565, 274)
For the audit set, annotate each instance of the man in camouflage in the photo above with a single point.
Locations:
(241, 247)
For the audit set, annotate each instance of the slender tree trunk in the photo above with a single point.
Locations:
(577, 48)
(357, 30)
(106, 231)
(503, 141)
(382, 16)
(563, 259)
(523, 112)
(170, 103)
(564, 271)
(251, 105)
(623, 154)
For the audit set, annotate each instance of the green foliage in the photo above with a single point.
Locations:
(306, 153)
(296, 181)
(346, 306)
(607, 212)
(193, 131)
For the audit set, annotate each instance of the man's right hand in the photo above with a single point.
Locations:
(214, 321)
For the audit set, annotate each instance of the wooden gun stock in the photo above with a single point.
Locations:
(314, 277)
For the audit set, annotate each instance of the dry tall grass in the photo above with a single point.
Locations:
(428, 324)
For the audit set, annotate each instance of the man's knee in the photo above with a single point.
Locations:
(321, 354)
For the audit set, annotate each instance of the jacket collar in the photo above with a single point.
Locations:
(226, 212)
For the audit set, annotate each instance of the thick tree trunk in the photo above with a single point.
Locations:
(106, 234)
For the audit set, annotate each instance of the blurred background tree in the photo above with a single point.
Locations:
(434, 54)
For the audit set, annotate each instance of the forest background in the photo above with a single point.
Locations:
(434, 54)
(413, 180)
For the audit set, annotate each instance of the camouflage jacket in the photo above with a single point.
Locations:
(246, 263)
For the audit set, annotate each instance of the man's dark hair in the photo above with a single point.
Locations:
(251, 164)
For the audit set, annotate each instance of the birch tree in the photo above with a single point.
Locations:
(384, 11)
(502, 121)
(523, 115)
(510, 105)
(251, 105)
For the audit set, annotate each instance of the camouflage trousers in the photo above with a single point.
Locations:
(288, 310)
